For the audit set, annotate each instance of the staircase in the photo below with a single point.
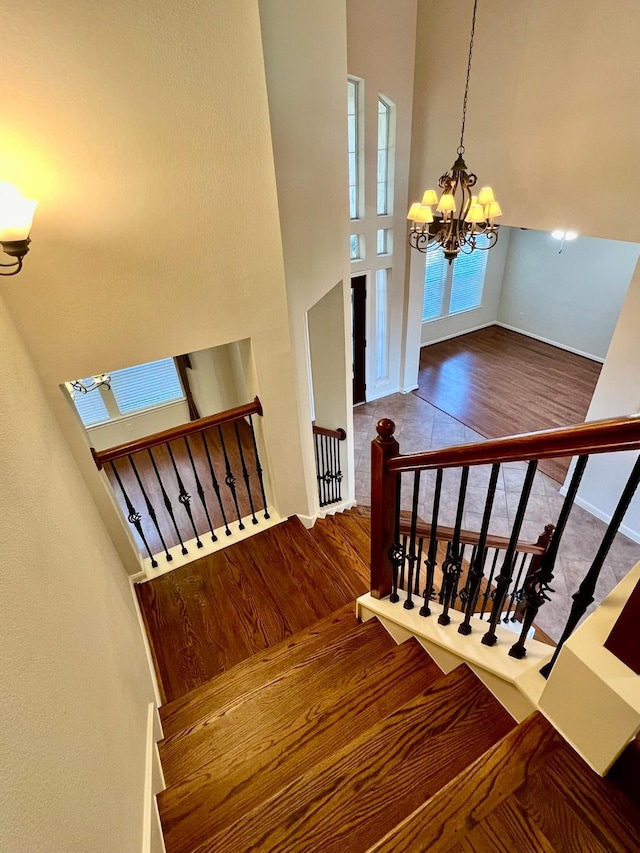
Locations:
(334, 738)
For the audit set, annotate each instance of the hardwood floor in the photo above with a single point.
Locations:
(205, 617)
(499, 383)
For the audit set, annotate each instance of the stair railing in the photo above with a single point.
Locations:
(396, 540)
(328, 466)
(211, 455)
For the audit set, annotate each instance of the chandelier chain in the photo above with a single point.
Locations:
(466, 88)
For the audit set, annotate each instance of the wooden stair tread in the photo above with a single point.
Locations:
(254, 712)
(361, 791)
(333, 535)
(257, 669)
(242, 778)
(205, 617)
(449, 816)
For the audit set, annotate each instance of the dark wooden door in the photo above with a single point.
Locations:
(359, 336)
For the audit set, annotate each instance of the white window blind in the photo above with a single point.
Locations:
(146, 385)
(435, 277)
(468, 279)
(91, 406)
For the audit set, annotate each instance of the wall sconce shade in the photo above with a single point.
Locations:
(16, 219)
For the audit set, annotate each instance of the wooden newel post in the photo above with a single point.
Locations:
(384, 491)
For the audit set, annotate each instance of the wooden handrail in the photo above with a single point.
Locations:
(468, 537)
(121, 450)
(339, 433)
(593, 437)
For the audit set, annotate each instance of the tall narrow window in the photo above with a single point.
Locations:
(382, 326)
(384, 204)
(353, 98)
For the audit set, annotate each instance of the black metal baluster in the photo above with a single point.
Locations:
(452, 566)
(150, 510)
(167, 502)
(447, 556)
(416, 588)
(134, 517)
(454, 591)
(323, 469)
(515, 589)
(339, 471)
(183, 496)
(479, 556)
(316, 441)
(258, 469)
(245, 474)
(404, 561)
(504, 578)
(327, 472)
(585, 593)
(412, 556)
(487, 592)
(432, 554)
(229, 479)
(200, 490)
(216, 485)
(332, 482)
(537, 585)
(464, 592)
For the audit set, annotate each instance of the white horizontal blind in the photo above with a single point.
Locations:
(435, 277)
(90, 406)
(146, 385)
(468, 278)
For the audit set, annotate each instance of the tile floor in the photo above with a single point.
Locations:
(420, 426)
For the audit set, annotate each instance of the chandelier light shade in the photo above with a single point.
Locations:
(460, 215)
(16, 218)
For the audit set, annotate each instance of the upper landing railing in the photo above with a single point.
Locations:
(154, 479)
(328, 465)
(398, 542)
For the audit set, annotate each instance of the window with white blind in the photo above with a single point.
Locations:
(452, 289)
(133, 390)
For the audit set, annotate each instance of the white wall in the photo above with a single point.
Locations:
(75, 684)
(617, 394)
(149, 147)
(572, 298)
(548, 121)
(212, 380)
(304, 46)
(381, 39)
(487, 313)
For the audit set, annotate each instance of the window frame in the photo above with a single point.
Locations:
(355, 145)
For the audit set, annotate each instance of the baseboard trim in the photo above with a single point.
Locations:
(588, 355)
(409, 390)
(385, 392)
(308, 520)
(627, 531)
(133, 579)
(458, 334)
(152, 840)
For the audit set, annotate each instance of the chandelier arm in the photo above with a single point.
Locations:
(466, 88)
(14, 267)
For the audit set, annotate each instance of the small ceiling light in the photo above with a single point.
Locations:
(558, 234)
(16, 218)
(475, 214)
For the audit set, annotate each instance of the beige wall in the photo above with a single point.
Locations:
(144, 131)
(75, 684)
(381, 51)
(550, 124)
(305, 60)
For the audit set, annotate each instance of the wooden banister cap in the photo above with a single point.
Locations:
(385, 428)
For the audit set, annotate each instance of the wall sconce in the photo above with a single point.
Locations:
(16, 218)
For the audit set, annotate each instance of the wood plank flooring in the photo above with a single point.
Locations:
(498, 383)
(205, 617)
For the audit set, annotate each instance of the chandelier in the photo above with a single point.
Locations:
(460, 215)
(80, 386)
